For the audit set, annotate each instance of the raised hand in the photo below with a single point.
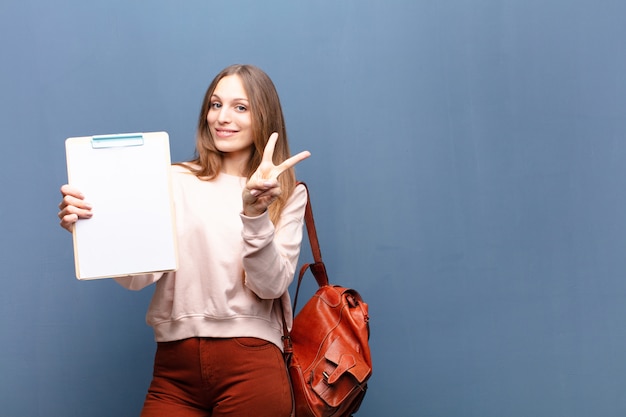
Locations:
(263, 187)
(72, 207)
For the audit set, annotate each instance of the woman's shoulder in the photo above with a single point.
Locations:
(300, 192)
(298, 197)
(182, 175)
(183, 168)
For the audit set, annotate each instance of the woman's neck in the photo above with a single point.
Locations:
(234, 164)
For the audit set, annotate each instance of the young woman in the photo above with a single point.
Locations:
(239, 216)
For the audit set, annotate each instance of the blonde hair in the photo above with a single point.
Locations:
(267, 117)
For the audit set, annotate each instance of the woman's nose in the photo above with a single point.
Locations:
(223, 116)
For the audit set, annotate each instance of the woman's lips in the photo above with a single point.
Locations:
(224, 133)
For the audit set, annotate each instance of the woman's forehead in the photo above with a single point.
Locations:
(231, 87)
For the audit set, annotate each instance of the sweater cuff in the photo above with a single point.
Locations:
(260, 225)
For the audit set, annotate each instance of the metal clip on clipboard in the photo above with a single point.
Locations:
(112, 141)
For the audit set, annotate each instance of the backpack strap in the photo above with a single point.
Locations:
(310, 226)
(317, 267)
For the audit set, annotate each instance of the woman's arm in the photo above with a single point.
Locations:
(270, 254)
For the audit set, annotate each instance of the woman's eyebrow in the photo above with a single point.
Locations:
(234, 99)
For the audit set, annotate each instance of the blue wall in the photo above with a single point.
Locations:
(467, 178)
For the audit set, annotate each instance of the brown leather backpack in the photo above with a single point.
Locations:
(327, 351)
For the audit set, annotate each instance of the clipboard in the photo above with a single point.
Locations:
(127, 180)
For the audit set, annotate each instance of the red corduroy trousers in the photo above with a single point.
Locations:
(205, 377)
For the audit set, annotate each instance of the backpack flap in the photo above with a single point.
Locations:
(347, 359)
(340, 374)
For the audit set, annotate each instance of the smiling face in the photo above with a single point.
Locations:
(214, 154)
(230, 123)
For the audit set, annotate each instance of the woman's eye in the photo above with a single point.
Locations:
(216, 105)
(240, 108)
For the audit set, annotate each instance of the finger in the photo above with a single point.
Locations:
(67, 222)
(265, 192)
(258, 187)
(262, 183)
(75, 211)
(69, 201)
(288, 163)
(268, 152)
(70, 190)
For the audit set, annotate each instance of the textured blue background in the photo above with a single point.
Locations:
(467, 178)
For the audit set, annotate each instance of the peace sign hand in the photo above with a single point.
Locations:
(263, 188)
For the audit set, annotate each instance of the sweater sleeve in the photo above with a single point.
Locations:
(138, 282)
(270, 254)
